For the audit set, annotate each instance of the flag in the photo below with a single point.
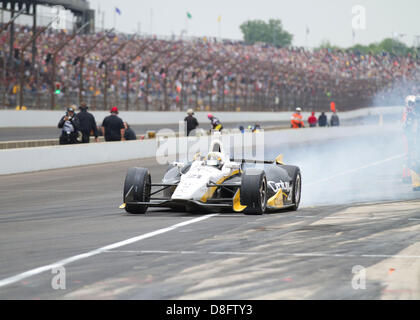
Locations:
(307, 30)
(189, 16)
(117, 10)
(219, 19)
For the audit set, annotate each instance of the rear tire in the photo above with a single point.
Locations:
(140, 180)
(254, 191)
(297, 189)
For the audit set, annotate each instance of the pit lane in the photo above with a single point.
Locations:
(355, 211)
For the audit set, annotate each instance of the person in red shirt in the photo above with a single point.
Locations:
(297, 120)
(312, 120)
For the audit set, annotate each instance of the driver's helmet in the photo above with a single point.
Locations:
(214, 159)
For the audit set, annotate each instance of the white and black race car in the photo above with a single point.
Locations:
(216, 183)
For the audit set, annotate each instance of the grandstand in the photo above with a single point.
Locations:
(150, 73)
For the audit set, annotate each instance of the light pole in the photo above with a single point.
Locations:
(138, 53)
(105, 62)
(54, 61)
(81, 58)
(22, 54)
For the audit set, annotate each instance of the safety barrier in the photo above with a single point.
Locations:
(54, 157)
(42, 118)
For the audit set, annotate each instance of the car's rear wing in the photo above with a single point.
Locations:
(278, 160)
(252, 161)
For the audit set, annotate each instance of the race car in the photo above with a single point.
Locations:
(216, 183)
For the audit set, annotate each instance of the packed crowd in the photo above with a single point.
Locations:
(221, 75)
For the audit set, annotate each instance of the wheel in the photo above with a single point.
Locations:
(297, 189)
(140, 180)
(254, 191)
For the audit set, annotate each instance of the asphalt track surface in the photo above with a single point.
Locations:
(355, 211)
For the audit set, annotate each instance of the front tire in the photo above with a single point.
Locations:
(140, 180)
(254, 191)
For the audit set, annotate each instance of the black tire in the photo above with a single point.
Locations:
(254, 191)
(297, 189)
(140, 180)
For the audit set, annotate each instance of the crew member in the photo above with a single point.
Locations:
(192, 122)
(409, 125)
(215, 122)
(129, 133)
(312, 120)
(334, 121)
(323, 121)
(256, 128)
(69, 126)
(113, 127)
(296, 120)
(87, 123)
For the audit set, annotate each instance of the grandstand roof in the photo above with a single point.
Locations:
(76, 6)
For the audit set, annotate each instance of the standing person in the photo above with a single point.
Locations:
(410, 128)
(129, 133)
(312, 120)
(87, 123)
(335, 121)
(192, 122)
(69, 126)
(297, 119)
(322, 121)
(113, 126)
(215, 122)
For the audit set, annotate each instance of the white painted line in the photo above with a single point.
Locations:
(303, 254)
(89, 254)
(373, 164)
(388, 256)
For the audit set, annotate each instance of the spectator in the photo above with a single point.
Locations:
(87, 123)
(192, 122)
(70, 127)
(296, 120)
(129, 133)
(322, 121)
(312, 120)
(334, 121)
(113, 126)
(242, 74)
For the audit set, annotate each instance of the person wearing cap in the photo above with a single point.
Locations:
(215, 122)
(113, 127)
(192, 122)
(312, 120)
(297, 120)
(87, 123)
(69, 126)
